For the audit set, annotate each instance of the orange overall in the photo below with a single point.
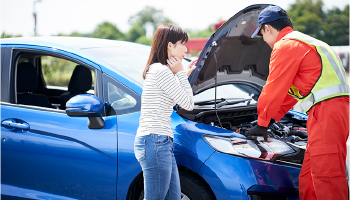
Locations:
(322, 175)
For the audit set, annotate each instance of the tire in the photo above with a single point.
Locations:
(142, 195)
(192, 188)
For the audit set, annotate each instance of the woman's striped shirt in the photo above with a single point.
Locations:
(161, 90)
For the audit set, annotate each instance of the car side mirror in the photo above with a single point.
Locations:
(86, 105)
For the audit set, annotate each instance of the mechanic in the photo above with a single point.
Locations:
(307, 70)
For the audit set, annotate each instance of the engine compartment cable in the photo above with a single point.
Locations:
(216, 79)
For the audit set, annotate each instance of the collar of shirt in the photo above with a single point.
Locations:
(284, 32)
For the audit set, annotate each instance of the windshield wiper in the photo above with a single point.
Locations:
(232, 102)
(208, 102)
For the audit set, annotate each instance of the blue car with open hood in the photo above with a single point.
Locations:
(74, 140)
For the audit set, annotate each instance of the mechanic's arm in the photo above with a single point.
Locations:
(284, 64)
(287, 104)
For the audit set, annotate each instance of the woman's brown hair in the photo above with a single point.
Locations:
(164, 34)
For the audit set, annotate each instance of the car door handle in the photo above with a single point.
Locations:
(17, 124)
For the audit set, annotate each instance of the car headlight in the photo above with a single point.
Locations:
(258, 149)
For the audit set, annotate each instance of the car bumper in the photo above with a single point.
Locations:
(233, 177)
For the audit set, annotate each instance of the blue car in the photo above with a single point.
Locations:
(70, 109)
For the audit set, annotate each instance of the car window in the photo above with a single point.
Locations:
(49, 81)
(121, 99)
(58, 72)
(23, 60)
(228, 91)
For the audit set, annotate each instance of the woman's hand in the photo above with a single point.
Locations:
(191, 67)
(175, 65)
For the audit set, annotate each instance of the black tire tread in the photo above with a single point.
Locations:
(196, 188)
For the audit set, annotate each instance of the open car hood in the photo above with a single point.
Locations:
(232, 54)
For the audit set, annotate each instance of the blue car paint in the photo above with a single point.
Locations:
(298, 115)
(190, 149)
(85, 103)
(59, 155)
(232, 176)
(128, 167)
(61, 151)
(9, 190)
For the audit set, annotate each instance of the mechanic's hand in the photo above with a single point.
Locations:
(257, 131)
(175, 65)
(272, 121)
(191, 67)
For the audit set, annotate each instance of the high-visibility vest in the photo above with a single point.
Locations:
(332, 81)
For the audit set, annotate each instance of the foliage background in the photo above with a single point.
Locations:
(307, 16)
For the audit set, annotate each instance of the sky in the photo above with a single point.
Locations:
(67, 16)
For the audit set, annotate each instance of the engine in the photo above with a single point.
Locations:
(291, 128)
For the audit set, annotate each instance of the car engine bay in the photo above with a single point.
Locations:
(291, 129)
(287, 130)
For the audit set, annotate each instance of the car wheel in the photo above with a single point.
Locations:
(192, 188)
(142, 195)
(183, 196)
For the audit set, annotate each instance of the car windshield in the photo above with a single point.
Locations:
(227, 92)
(129, 60)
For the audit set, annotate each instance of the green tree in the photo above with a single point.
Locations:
(144, 40)
(135, 32)
(331, 26)
(308, 17)
(337, 26)
(107, 30)
(76, 34)
(149, 16)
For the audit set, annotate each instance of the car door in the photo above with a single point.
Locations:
(2, 56)
(125, 104)
(46, 154)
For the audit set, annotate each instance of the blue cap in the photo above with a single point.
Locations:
(269, 14)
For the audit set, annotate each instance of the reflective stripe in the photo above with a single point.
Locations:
(307, 103)
(322, 89)
(334, 64)
(342, 68)
(324, 51)
(332, 90)
(325, 92)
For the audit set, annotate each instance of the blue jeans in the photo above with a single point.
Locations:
(156, 157)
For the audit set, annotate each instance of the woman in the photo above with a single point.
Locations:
(166, 83)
